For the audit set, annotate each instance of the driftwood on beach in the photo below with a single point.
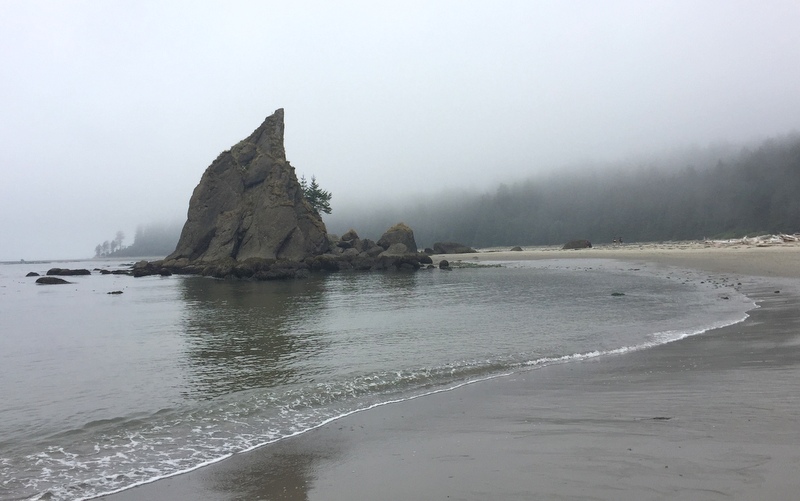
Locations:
(763, 240)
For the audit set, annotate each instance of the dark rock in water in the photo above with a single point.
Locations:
(68, 272)
(444, 264)
(32, 274)
(425, 259)
(577, 244)
(51, 281)
(249, 204)
(617, 293)
(428, 250)
(114, 292)
(451, 248)
(516, 249)
(399, 234)
(105, 272)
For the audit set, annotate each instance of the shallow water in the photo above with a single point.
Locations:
(101, 392)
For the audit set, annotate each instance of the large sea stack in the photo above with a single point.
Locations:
(249, 204)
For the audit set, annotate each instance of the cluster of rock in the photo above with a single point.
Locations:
(248, 218)
(395, 250)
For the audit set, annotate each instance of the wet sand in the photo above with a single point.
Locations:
(711, 417)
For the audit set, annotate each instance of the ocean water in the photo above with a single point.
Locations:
(100, 392)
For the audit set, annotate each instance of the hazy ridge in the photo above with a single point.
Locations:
(720, 191)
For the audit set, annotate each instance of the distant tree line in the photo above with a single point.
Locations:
(752, 191)
(153, 240)
(110, 247)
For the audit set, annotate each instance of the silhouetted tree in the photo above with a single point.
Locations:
(119, 238)
(319, 199)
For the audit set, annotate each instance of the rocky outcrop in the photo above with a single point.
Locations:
(577, 244)
(348, 253)
(249, 205)
(451, 248)
(399, 234)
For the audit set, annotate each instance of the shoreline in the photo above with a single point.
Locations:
(555, 432)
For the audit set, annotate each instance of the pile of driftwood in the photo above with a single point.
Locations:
(760, 241)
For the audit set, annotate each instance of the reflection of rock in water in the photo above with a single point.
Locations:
(239, 334)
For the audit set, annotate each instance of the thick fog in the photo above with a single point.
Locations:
(112, 110)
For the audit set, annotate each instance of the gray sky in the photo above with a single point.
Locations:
(112, 110)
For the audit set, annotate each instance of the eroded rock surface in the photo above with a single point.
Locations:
(249, 204)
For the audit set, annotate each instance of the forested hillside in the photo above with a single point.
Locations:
(153, 240)
(754, 191)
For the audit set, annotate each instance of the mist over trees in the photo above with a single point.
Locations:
(109, 247)
(152, 240)
(722, 191)
(717, 192)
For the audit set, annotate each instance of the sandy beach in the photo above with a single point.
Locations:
(710, 417)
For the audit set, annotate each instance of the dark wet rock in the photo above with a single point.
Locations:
(577, 244)
(114, 292)
(516, 249)
(32, 274)
(51, 281)
(67, 272)
(425, 259)
(444, 264)
(428, 250)
(451, 248)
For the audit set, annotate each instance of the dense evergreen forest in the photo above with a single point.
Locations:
(713, 193)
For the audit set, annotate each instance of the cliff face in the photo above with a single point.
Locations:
(250, 204)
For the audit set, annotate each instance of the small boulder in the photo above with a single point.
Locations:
(400, 233)
(516, 249)
(396, 249)
(32, 274)
(51, 281)
(349, 235)
(68, 272)
(577, 244)
(444, 264)
(451, 248)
